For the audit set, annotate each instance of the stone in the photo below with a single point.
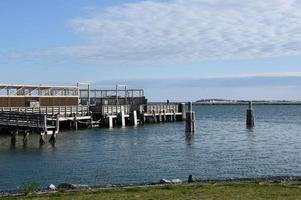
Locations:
(165, 181)
(66, 186)
(69, 186)
(52, 187)
(176, 181)
(191, 179)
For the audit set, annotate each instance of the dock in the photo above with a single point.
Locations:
(44, 110)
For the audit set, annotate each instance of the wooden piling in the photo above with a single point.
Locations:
(190, 120)
(57, 124)
(14, 134)
(75, 123)
(42, 138)
(183, 110)
(110, 121)
(25, 137)
(52, 139)
(134, 118)
(250, 116)
(121, 119)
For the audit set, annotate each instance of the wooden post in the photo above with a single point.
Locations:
(142, 118)
(75, 123)
(52, 139)
(25, 137)
(14, 134)
(250, 116)
(42, 138)
(160, 117)
(190, 120)
(183, 110)
(121, 119)
(110, 121)
(134, 118)
(57, 124)
(174, 116)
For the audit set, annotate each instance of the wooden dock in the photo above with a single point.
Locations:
(42, 120)
(47, 109)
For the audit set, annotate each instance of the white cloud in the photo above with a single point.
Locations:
(183, 31)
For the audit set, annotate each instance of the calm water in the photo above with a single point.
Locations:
(221, 148)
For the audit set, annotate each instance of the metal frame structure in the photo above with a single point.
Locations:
(8, 90)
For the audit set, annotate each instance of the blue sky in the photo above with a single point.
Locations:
(176, 49)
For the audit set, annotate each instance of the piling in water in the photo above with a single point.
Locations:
(190, 119)
(250, 116)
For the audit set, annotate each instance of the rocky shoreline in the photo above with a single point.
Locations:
(68, 187)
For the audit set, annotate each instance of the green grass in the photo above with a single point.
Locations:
(209, 191)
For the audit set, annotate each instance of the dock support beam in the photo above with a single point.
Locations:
(25, 137)
(134, 118)
(190, 120)
(42, 138)
(250, 116)
(121, 119)
(183, 110)
(75, 123)
(14, 134)
(52, 139)
(110, 121)
(142, 118)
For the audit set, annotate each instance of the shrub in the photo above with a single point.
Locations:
(29, 188)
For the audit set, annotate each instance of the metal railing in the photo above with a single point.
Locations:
(115, 109)
(49, 110)
(162, 107)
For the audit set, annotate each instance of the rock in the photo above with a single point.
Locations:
(165, 181)
(81, 187)
(176, 181)
(52, 187)
(68, 186)
(192, 179)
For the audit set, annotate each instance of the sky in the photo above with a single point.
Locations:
(175, 49)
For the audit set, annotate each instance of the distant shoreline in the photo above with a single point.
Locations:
(246, 103)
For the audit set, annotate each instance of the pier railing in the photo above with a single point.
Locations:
(49, 110)
(115, 109)
(28, 120)
(161, 108)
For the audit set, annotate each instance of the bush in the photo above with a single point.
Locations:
(29, 188)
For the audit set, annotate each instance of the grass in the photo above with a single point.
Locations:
(239, 191)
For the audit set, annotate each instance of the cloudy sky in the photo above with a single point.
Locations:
(175, 49)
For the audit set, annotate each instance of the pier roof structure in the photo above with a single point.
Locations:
(38, 90)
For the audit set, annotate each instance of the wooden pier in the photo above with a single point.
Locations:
(46, 109)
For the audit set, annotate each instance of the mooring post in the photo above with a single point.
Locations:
(14, 134)
(25, 136)
(190, 119)
(250, 116)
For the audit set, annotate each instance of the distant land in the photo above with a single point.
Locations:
(244, 102)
